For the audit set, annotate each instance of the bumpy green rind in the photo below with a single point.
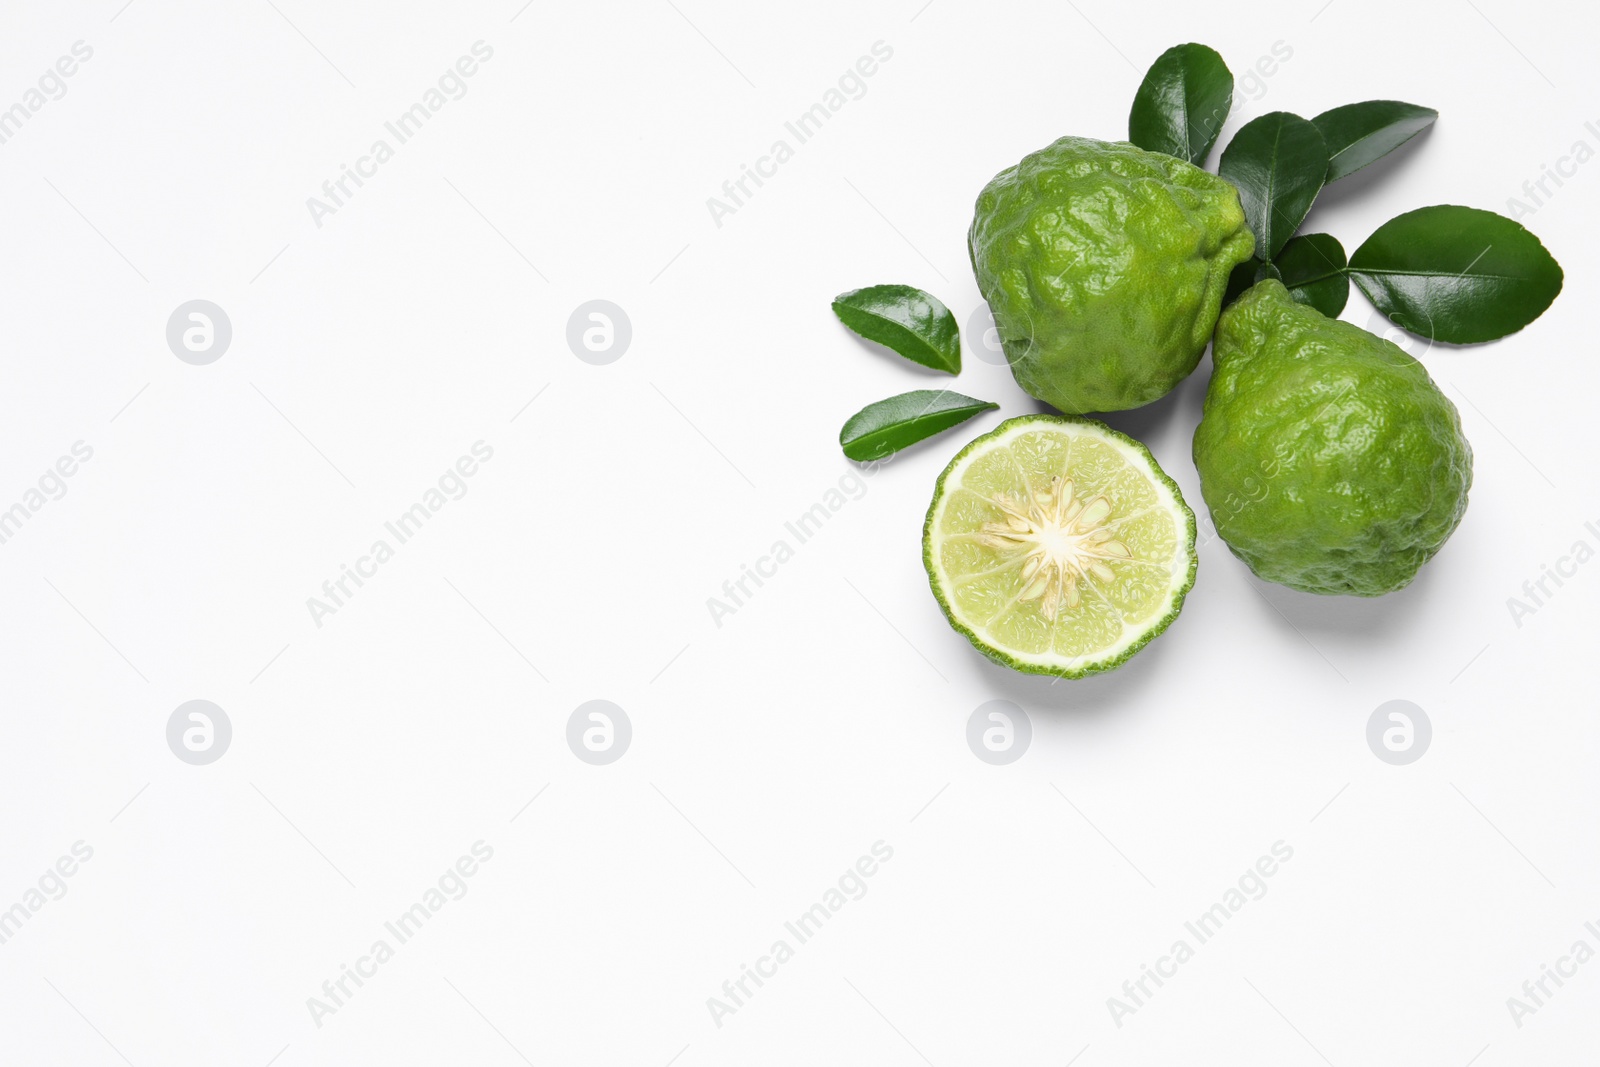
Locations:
(1096, 666)
(1329, 459)
(1105, 267)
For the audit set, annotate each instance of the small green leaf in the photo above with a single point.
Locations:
(1278, 162)
(1242, 278)
(890, 425)
(1312, 267)
(1456, 274)
(1182, 103)
(1358, 134)
(909, 321)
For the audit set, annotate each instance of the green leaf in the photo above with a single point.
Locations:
(1248, 274)
(890, 425)
(1312, 268)
(1242, 278)
(909, 321)
(1358, 134)
(1456, 274)
(1182, 103)
(1278, 162)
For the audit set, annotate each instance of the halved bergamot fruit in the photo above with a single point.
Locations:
(1058, 546)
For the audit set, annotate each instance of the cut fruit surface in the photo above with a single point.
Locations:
(1058, 546)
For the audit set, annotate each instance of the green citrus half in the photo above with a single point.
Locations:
(1058, 546)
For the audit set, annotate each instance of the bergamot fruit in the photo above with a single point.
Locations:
(1058, 546)
(1105, 267)
(1330, 461)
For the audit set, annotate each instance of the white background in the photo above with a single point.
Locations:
(829, 712)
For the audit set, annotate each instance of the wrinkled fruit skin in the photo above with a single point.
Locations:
(1105, 266)
(1330, 461)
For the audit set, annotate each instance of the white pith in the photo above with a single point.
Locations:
(1069, 540)
(1058, 539)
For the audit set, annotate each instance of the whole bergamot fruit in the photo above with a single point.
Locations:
(1105, 267)
(1330, 461)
